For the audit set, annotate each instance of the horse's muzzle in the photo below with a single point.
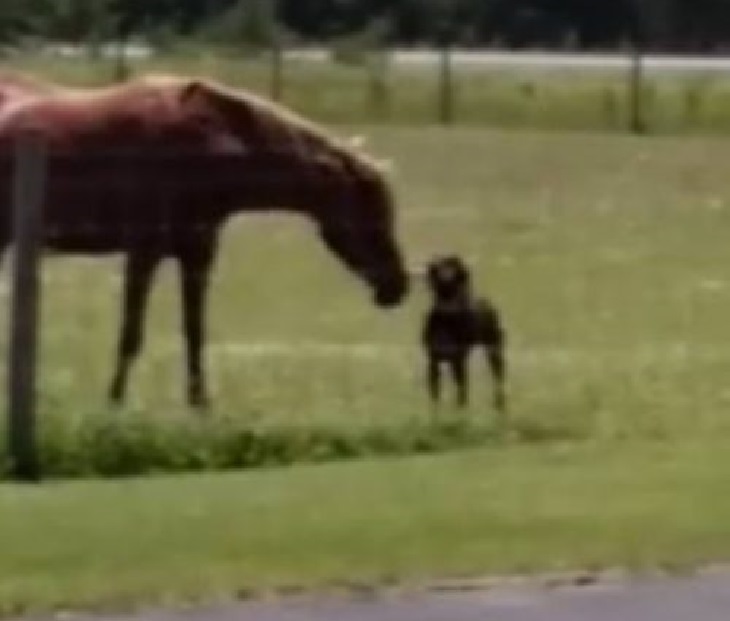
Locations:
(391, 294)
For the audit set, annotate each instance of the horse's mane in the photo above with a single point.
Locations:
(279, 127)
(285, 129)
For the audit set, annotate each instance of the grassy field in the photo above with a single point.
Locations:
(362, 525)
(607, 255)
(358, 93)
(609, 258)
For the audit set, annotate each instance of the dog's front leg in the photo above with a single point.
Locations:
(461, 378)
(496, 361)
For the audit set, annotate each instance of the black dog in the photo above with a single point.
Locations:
(456, 324)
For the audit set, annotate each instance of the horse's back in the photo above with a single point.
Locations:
(75, 120)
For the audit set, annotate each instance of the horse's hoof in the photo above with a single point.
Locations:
(199, 401)
(115, 399)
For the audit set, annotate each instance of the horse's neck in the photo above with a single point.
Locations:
(282, 188)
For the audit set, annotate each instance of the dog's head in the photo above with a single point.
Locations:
(448, 278)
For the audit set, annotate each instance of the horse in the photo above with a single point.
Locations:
(154, 167)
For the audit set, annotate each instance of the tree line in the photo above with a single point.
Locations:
(669, 25)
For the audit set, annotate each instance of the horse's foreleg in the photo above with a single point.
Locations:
(139, 271)
(195, 273)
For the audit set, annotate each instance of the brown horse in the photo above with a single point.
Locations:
(154, 167)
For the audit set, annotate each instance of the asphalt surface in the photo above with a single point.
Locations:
(528, 61)
(699, 598)
(483, 59)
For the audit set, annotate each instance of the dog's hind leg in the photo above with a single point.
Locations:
(498, 366)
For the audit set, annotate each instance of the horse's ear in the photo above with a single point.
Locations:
(194, 97)
(190, 90)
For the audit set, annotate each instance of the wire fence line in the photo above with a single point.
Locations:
(451, 86)
(381, 85)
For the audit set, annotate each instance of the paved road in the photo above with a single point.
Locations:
(703, 598)
(486, 60)
(479, 60)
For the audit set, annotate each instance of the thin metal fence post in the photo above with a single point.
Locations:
(28, 192)
(379, 94)
(637, 121)
(278, 58)
(446, 86)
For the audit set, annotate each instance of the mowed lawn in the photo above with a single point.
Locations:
(610, 261)
(367, 524)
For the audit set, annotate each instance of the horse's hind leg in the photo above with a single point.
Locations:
(195, 271)
(139, 271)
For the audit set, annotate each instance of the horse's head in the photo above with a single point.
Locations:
(345, 192)
(358, 226)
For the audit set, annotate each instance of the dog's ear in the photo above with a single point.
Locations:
(461, 271)
(458, 264)
(464, 272)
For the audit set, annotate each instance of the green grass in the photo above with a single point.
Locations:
(342, 93)
(175, 540)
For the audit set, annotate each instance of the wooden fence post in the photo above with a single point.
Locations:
(446, 86)
(276, 85)
(379, 95)
(637, 122)
(28, 191)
